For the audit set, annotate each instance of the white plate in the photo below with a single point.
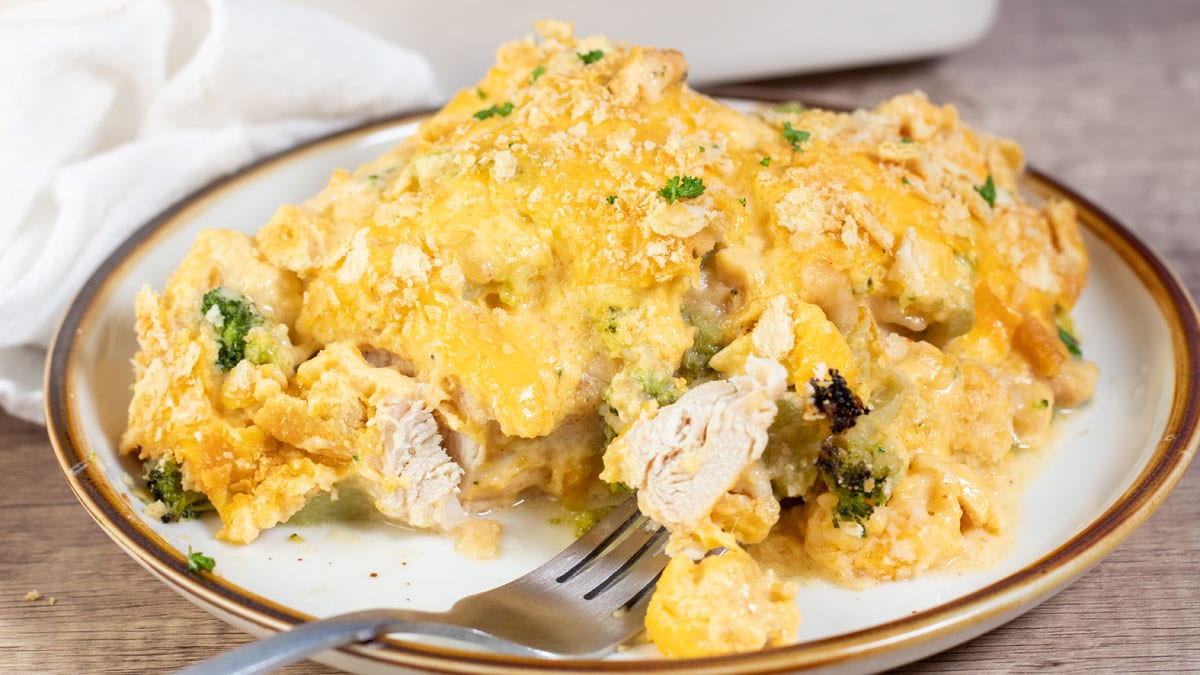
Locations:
(1115, 461)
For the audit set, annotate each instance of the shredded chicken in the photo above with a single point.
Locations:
(689, 454)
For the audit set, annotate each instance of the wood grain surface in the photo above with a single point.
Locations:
(1104, 95)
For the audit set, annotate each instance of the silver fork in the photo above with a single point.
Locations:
(583, 603)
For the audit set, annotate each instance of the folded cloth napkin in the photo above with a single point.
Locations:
(110, 111)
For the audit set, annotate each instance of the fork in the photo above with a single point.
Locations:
(583, 603)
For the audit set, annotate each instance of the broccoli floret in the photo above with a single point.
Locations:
(582, 521)
(840, 405)
(793, 444)
(858, 475)
(164, 478)
(620, 488)
(707, 341)
(232, 316)
(658, 385)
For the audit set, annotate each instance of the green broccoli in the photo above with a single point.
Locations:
(793, 444)
(232, 316)
(858, 475)
(164, 478)
(706, 342)
(657, 385)
(582, 520)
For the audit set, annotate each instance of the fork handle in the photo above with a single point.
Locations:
(316, 636)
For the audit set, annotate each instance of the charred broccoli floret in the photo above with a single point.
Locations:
(842, 406)
(858, 476)
(232, 316)
(164, 478)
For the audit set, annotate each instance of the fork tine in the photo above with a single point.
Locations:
(586, 548)
(627, 617)
(640, 577)
(640, 542)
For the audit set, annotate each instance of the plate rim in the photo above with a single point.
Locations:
(995, 603)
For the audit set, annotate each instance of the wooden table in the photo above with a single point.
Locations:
(1105, 95)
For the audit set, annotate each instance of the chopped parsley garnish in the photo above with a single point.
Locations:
(988, 191)
(502, 110)
(765, 161)
(537, 72)
(373, 179)
(904, 179)
(742, 200)
(1042, 404)
(681, 187)
(794, 136)
(611, 199)
(1070, 341)
(591, 57)
(480, 93)
(198, 562)
(905, 140)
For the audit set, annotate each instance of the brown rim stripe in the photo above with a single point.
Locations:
(1029, 585)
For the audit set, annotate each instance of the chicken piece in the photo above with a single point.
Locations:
(646, 74)
(691, 453)
(382, 420)
(410, 476)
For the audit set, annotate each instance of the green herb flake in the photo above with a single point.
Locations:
(537, 72)
(905, 140)
(794, 137)
(591, 57)
(1070, 341)
(294, 537)
(765, 161)
(611, 199)
(988, 191)
(742, 201)
(502, 110)
(904, 179)
(373, 179)
(681, 187)
(480, 93)
(198, 562)
(1042, 404)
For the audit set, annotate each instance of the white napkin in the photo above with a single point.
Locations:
(110, 111)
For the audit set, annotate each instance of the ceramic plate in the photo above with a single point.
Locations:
(1129, 446)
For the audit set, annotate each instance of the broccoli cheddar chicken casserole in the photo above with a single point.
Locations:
(798, 333)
